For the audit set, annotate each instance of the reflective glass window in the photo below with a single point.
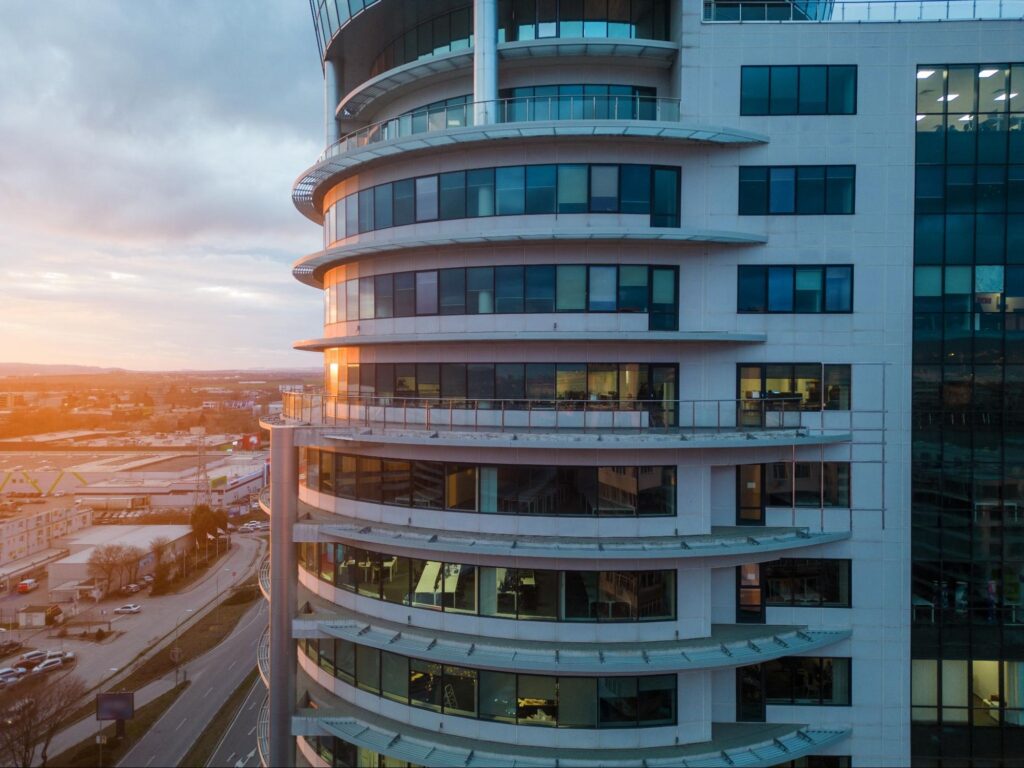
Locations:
(426, 198)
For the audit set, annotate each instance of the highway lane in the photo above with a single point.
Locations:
(238, 747)
(214, 676)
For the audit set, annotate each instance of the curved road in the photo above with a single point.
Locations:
(214, 676)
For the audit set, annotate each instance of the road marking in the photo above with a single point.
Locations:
(228, 758)
(208, 691)
(251, 731)
(150, 761)
(232, 663)
(183, 720)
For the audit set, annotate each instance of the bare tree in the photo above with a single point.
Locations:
(33, 712)
(132, 558)
(104, 562)
(160, 547)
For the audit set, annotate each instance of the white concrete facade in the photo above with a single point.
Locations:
(699, 63)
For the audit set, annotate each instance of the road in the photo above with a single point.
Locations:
(159, 617)
(214, 676)
(238, 747)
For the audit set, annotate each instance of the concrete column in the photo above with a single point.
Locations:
(332, 95)
(485, 61)
(284, 502)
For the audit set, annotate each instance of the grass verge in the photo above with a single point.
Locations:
(193, 642)
(88, 754)
(203, 748)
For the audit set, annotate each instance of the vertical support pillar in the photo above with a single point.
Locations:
(485, 61)
(332, 95)
(284, 501)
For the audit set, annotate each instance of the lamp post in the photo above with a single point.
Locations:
(175, 650)
(217, 596)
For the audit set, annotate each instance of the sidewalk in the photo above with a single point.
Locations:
(88, 727)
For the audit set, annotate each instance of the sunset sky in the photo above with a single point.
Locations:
(147, 151)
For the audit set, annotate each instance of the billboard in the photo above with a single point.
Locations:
(115, 706)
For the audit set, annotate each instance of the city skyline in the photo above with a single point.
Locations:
(106, 99)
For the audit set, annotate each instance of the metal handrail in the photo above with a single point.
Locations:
(263, 655)
(546, 415)
(511, 110)
(264, 576)
(861, 10)
(263, 732)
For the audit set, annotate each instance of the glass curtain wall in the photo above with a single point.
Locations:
(967, 603)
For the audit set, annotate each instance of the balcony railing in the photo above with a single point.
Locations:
(263, 733)
(513, 110)
(862, 10)
(668, 416)
(263, 656)
(265, 576)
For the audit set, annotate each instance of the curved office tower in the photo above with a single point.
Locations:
(611, 461)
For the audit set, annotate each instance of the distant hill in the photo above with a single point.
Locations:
(33, 369)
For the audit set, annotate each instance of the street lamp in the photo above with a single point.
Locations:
(176, 651)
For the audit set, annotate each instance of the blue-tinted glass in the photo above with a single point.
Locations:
(839, 289)
(602, 290)
(633, 289)
(480, 192)
(780, 289)
(665, 205)
(781, 190)
(352, 214)
(635, 185)
(508, 290)
(404, 203)
(754, 91)
(572, 189)
(426, 293)
(426, 198)
(753, 191)
(813, 87)
(783, 91)
(382, 207)
(384, 292)
(752, 289)
(405, 294)
(810, 189)
(510, 183)
(842, 90)
(540, 289)
(604, 188)
(452, 291)
(540, 189)
(453, 195)
(366, 210)
(839, 189)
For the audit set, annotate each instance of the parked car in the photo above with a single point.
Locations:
(32, 656)
(131, 589)
(27, 666)
(27, 585)
(148, 578)
(8, 646)
(47, 665)
(11, 672)
(129, 608)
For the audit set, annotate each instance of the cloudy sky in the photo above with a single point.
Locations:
(147, 152)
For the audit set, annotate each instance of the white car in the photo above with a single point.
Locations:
(129, 608)
(47, 666)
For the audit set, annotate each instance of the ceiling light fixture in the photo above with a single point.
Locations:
(987, 72)
(924, 74)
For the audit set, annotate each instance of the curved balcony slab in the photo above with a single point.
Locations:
(597, 440)
(310, 269)
(263, 656)
(730, 645)
(264, 577)
(723, 541)
(753, 745)
(308, 189)
(264, 499)
(498, 337)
